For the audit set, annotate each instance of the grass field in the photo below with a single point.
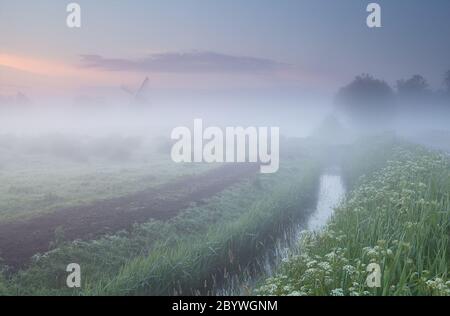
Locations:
(192, 253)
(396, 215)
(35, 183)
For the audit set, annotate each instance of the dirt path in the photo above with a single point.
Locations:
(21, 239)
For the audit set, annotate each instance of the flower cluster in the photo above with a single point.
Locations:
(398, 218)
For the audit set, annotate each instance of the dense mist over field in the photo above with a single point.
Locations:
(121, 130)
(118, 129)
(297, 116)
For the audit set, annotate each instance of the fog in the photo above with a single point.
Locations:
(297, 117)
(119, 129)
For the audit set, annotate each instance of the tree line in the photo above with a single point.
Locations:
(369, 101)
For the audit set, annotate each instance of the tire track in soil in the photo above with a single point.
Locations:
(21, 239)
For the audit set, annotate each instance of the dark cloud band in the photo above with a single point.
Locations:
(192, 62)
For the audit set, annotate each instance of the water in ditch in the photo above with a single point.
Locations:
(331, 193)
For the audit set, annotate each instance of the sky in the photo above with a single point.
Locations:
(223, 45)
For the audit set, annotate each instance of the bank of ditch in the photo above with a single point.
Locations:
(191, 253)
(397, 216)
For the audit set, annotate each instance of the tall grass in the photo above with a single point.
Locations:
(398, 218)
(197, 266)
(366, 156)
(191, 253)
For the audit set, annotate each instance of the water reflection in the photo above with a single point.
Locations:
(331, 193)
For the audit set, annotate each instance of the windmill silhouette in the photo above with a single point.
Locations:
(138, 95)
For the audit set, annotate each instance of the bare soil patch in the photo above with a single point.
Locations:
(21, 239)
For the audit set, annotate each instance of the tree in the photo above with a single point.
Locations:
(447, 81)
(330, 131)
(368, 102)
(416, 86)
